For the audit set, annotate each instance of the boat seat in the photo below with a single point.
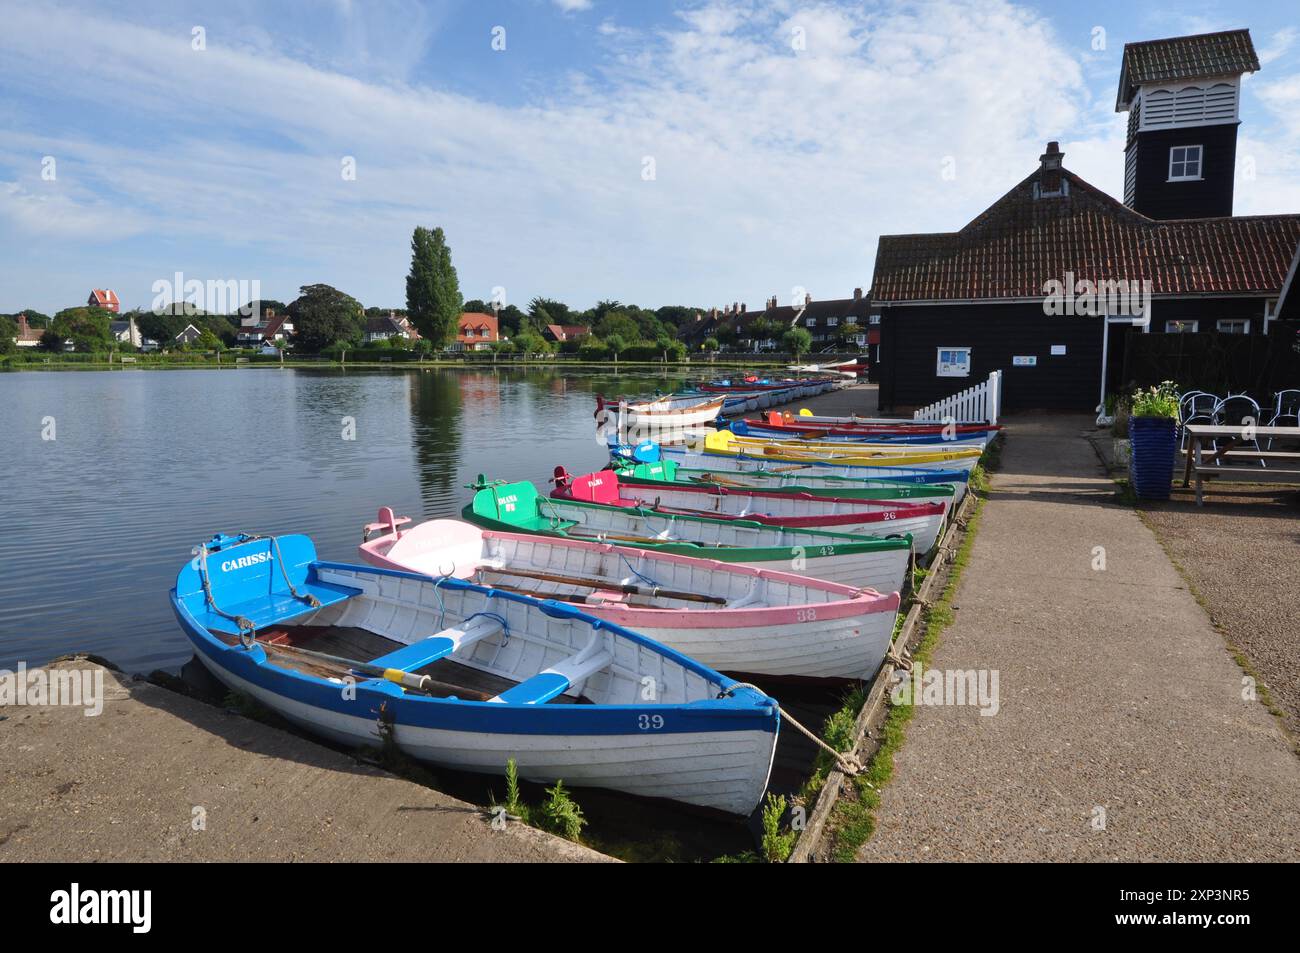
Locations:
(558, 678)
(415, 656)
(272, 607)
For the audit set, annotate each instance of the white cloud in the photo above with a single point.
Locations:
(775, 166)
(572, 6)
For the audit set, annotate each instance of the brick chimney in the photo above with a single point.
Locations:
(23, 329)
(742, 307)
(857, 294)
(1050, 180)
(807, 298)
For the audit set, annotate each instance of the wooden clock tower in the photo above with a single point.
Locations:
(1182, 95)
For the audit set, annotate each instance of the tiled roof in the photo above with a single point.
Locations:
(473, 321)
(565, 332)
(1185, 57)
(1021, 242)
(383, 325)
(104, 298)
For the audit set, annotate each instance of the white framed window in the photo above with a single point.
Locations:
(1270, 312)
(832, 322)
(953, 362)
(1232, 325)
(1182, 327)
(812, 322)
(1184, 163)
(873, 319)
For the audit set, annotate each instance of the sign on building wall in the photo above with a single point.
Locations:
(953, 362)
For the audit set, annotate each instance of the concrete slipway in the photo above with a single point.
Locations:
(124, 785)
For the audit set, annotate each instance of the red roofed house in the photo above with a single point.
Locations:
(1024, 286)
(475, 331)
(565, 332)
(102, 298)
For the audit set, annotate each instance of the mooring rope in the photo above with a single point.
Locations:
(310, 599)
(247, 631)
(845, 761)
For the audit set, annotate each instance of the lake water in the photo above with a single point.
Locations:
(143, 465)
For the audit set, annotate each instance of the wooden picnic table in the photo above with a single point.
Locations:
(1269, 466)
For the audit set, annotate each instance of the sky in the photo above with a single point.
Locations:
(696, 153)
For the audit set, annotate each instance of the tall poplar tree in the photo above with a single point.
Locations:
(432, 290)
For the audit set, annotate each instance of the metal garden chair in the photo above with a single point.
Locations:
(1195, 407)
(1286, 410)
(1238, 410)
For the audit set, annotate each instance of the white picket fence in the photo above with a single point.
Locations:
(978, 404)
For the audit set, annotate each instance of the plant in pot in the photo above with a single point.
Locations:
(1153, 439)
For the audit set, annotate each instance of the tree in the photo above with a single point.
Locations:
(617, 324)
(208, 341)
(616, 343)
(163, 327)
(86, 328)
(50, 341)
(797, 341)
(323, 316)
(530, 342)
(433, 298)
(8, 334)
(546, 311)
(711, 345)
(509, 320)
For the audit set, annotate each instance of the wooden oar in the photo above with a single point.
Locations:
(640, 602)
(592, 583)
(420, 683)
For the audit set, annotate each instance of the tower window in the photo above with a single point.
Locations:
(1184, 163)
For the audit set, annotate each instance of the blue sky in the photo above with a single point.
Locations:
(775, 168)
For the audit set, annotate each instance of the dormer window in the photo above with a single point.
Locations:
(1184, 163)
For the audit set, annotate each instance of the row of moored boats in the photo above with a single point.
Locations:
(583, 632)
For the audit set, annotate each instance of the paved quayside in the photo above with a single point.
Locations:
(123, 785)
(1116, 694)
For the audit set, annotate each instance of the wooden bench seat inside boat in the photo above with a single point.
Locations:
(451, 678)
(440, 645)
(558, 678)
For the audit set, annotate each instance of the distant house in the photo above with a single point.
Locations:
(383, 327)
(827, 322)
(126, 332)
(27, 336)
(475, 332)
(104, 298)
(267, 329)
(189, 335)
(565, 332)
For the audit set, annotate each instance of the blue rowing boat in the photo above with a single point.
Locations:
(468, 677)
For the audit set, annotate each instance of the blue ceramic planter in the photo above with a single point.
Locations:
(1153, 441)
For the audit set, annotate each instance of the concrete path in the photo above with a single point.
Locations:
(124, 786)
(1116, 695)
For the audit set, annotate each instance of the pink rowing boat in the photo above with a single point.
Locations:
(732, 617)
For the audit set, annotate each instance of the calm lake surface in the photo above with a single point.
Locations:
(146, 464)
